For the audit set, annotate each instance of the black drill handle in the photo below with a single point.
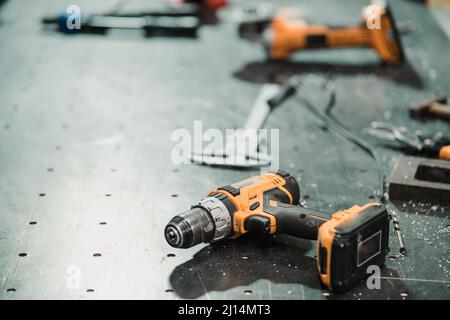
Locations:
(298, 221)
(290, 217)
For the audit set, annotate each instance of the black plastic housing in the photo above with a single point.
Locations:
(349, 262)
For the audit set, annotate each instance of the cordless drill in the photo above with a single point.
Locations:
(347, 241)
(282, 36)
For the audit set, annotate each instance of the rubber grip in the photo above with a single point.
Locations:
(299, 222)
(295, 220)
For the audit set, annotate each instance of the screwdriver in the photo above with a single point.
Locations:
(172, 23)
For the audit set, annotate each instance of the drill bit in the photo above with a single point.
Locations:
(399, 233)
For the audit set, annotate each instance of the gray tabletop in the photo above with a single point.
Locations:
(87, 182)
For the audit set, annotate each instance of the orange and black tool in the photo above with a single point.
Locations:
(347, 241)
(430, 146)
(283, 36)
(444, 153)
(212, 5)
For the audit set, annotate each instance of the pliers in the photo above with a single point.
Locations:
(414, 141)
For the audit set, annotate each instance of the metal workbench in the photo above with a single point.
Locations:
(87, 183)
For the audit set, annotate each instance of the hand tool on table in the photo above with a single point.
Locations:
(437, 107)
(282, 36)
(436, 145)
(347, 241)
(421, 179)
(169, 20)
(444, 153)
(206, 4)
(253, 156)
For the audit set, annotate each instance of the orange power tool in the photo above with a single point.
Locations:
(347, 241)
(282, 36)
(444, 153)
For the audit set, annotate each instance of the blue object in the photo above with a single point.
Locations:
(62, 22)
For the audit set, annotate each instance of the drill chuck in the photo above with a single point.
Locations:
(209, 221)
(190, 228)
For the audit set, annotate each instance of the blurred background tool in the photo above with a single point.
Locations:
(431, 108)
(168, 20)
(433, 146)
(421, 179)
(206, 4)
(389, 132)
(283, 36)
(246, 148)
(444, 153)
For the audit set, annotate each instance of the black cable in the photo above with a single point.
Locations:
(345, 133)
(289, 89)
(348, 135)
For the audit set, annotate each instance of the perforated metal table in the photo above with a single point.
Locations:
(87, 183)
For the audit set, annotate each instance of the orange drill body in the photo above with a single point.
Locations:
(289, 36)
(444, 153)
(251, 195)
(283, 36)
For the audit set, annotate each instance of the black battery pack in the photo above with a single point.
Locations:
(359, 240)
